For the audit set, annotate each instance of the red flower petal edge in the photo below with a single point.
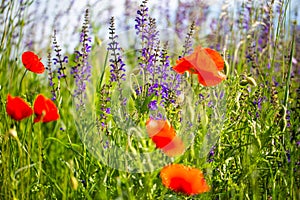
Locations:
(45, 110)
(32, 62)
(206, 63)
(184, 179)
(164, 137)
(17, 108)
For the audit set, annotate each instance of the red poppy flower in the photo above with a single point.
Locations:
(32, 62)
(44, 109)
(206, 63)
(174, 148)
(181, 178)
(164, 137)
(17, 108)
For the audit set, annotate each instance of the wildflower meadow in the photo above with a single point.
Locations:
(148, 99)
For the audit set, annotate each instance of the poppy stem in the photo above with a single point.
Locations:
(22, 79)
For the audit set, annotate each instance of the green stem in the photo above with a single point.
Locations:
(22, 79)
(279, 25)
(288, 79)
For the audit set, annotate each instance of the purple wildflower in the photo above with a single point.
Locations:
(153, 105)
(211, 154)
(51, 76)
(141, 19)
(188, 43)
(106, 145)
(108, 110)
(82, 70)
(58, 59)
(117, 65)
(147, 30)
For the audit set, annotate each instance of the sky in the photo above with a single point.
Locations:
(70, 20)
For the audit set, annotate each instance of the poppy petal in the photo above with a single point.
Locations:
(45, 110)
(17, 108)
(161, 141)
(37, 67)
(32, 62)
(154, 126)
(164, 137)
(159, 128)
(184, 179)
(209, 79)
(205, 62)
(216, 57)
(183, 65)
(174, 148)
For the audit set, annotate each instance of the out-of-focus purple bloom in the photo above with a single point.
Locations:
(201, 96)
(182, 17)
(265, 36)
(279, 6)
(106, 145)
(259, 102)
(211, 154)
(257, 114)
(108, 110)
(153, 105)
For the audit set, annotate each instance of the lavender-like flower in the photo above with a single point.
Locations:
(147, 30)
(141, 19)
(58, 60)
(82, 70)
(51, 76)
(188, 43)
(116, 62)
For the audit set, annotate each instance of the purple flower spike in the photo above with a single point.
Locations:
(82, 70)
